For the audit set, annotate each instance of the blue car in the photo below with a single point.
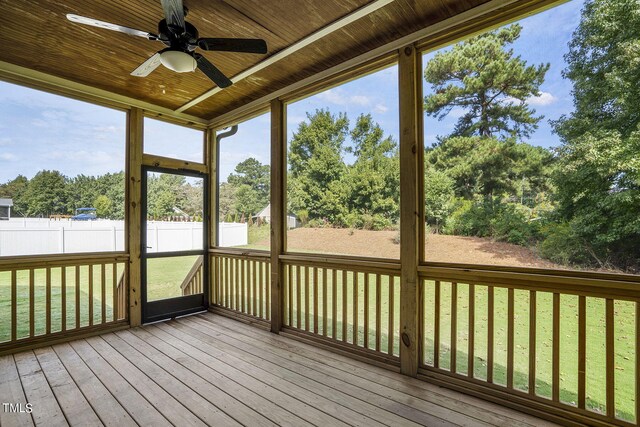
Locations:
(85, 214)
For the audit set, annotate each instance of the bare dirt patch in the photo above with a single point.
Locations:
(438, 248)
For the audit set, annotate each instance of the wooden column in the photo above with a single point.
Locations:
(410, 210)
(135, 120)
(278, 208)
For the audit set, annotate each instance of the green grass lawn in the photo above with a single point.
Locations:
(165, 275)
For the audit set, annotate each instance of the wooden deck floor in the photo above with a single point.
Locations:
(210, 370)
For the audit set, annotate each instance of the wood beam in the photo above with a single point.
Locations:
(278, 208)
(313, 37)
(133, 210)
(410, 89)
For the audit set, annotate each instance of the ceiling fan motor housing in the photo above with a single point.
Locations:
(185, 41)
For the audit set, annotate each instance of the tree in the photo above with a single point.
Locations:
(15, 190)
(489, 167)
(247, 200)
(372, 181)
(316, 166)
(47, 194)
(103, 206)
(485, 79)
(603, 65)
(439, 193)
(226, 200)
(256, 175)
(598, 180)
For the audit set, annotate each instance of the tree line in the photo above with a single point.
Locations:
(50, 192)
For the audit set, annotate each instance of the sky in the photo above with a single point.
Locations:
(39, 130)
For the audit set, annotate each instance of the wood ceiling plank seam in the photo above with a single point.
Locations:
(486, 9)
(376, 4)
(255, 22)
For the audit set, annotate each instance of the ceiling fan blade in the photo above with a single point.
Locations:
(109, 26)
(174, 13)
(147, 66)
(234, 45)
(212, 71)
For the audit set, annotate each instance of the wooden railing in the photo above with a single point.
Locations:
(353, 303)
(192, 284)
(565, 345)
(46, 297)
(240, 282)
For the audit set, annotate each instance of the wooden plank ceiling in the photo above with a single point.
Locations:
(37, 35)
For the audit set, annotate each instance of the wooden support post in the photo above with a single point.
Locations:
(133, 216)
(409, 70)
(278, 208)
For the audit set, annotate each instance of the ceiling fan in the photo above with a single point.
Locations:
(181, 40)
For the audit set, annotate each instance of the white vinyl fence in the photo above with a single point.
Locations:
(33, 236)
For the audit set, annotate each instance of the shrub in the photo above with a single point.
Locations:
(303, 216)
(511, 224)
(562, 245)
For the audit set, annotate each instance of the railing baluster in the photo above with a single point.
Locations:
(555, 345)
(325, 302)
(298, 298)
(532, 342)
(32, 303)
(344, 305)
(315, 300)
(582, 349)
(490, 300)
(77, 296)
(63, 299)
(378, 312)
(472, 331)
(355, 308)
(261, 284)
(48, 300)
(225, 282)
(103, 292)
(454, 328)
(510, 338)
(391, 332)
(254, 278)
(610, 367)
(243, 286)
(306, 299)
(267, 288)
(366, 310)
(114, 286)
(334, 305)
(290, 293)
(436, 325)
(14, 305)
(236, 274)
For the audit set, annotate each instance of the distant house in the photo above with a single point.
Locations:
(5, 208)
(265, 216)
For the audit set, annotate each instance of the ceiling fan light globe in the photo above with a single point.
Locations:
(177, 61)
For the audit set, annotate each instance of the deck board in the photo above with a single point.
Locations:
(211, 370)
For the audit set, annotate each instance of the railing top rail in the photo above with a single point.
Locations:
(344, 262)
(240, 253)
(60, 260)
(618, 277)
(544, 282)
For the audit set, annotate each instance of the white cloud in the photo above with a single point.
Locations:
(5, 141)
(381, 108)
(8, 157)
(335, 96)
(545, 98)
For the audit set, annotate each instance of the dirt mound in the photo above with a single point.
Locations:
(438, 248)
